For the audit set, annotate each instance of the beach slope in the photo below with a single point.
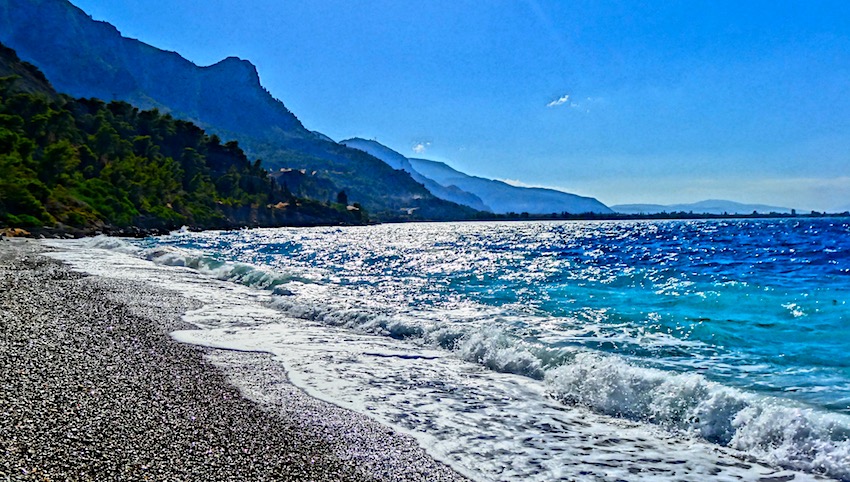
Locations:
(93, 388)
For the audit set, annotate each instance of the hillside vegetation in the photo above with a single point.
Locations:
(92, 166)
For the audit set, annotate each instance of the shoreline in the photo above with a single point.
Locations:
(69, 232)
(95, 388)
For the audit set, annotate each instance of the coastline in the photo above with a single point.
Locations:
(94, 388)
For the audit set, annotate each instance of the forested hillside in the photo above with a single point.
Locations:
(90, 166)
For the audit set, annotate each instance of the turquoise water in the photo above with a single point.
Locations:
(732, 332)
(762, 305)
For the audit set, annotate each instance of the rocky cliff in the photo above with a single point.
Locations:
(88, 58)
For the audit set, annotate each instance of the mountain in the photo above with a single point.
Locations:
(479, 193)
(382, 152)
(710, 206)
(398, 161)
(88, 58)
(502, 197)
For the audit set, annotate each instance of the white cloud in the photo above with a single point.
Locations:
(559, 101)
(584, 104)
(421, 147)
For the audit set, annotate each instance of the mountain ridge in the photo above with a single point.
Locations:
(398, 161)
(89, 58)
(82, 166)
(504, 198)
(496, 196)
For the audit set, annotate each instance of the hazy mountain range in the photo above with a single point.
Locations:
(480, 193)
(398, 161)
(710, 206)
(502, 197)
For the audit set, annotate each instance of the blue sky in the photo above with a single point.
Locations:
(629, 101)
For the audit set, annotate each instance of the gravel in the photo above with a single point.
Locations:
(93, 388)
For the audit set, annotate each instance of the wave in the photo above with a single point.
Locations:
(488, 345)
(242, 273)
(110, 243)
(772, 429)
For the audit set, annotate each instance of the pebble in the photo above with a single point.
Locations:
(93, 388)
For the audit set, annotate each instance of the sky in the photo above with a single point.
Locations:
(625, 101)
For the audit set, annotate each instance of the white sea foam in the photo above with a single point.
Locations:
(769, 428)
(488, 425)
(183, 231)
(498, 351)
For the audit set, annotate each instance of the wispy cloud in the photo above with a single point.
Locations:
(421, 147)
(559, 101)
(581, 104)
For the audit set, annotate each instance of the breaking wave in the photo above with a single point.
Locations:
(772, 429)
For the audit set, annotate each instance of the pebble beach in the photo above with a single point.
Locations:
(93, 388)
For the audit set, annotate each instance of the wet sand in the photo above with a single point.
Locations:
(93, 388)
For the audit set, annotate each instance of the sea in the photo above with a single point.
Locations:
(542, 351)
